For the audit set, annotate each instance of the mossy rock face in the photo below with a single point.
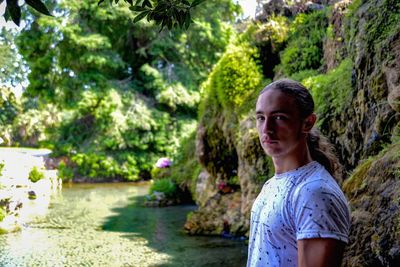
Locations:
(365, 121)
(373, 39)
(255, 167)
(334, 44)
(221, 215)
(373, 191)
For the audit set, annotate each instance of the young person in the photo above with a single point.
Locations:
(301, 216)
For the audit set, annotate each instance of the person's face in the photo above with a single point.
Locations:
(281, 131)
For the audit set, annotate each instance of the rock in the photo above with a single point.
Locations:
(220, 212)
(373, 191)
(32, 195)
(205, 188)
(334, 45)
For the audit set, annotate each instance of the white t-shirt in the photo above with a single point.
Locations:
(299, 204)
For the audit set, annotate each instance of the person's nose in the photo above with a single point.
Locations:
(268, 126)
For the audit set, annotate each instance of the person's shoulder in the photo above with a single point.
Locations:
(319, 181)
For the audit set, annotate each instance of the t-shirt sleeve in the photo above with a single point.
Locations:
(321, 211)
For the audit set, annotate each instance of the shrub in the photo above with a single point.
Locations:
(166, 186)
(9, 106)
(305, 43)
(235, 76)
(35, 174)
(64, 172)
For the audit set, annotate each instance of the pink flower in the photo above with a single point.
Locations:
(163, 163)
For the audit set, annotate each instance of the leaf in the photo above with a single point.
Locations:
(38, 6)
(137, 8)
(130, 2)
(140, 16)
(188, 20)
(99, 3)
(14, 11)
(196, 3)
(147, 3)
(185, 2)
(7, 15)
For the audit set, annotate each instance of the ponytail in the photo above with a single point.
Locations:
(322, 152)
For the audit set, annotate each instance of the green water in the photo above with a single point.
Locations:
(105, 225)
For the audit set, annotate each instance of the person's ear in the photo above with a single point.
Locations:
(309, 123)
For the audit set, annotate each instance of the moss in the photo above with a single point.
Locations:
(382, 22)
(35, 174)
(331, 91)
(356, 181)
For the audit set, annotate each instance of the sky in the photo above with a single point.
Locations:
(249, 7)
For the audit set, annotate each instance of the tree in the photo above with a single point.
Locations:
(127, 92)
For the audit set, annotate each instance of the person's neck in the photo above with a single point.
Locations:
(288, 163)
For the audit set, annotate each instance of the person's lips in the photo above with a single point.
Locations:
(268, 140)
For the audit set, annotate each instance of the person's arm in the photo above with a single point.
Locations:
(320, 252)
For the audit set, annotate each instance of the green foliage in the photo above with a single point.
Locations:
(301, 75)
(114, 84)
(305, 43)
(186, 168)
(35, 175)
(98, 166)
(13, 69)
(235, 76)
(1, 168)
(331, 91)
(9, 106)
(275, 30)
(64, 172)
(166, 186)
(374, 31)
(31, 127)
(2, 214)
(165, 13)
(13, 10)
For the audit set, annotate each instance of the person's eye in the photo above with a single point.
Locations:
(279, 117)
(260, 118)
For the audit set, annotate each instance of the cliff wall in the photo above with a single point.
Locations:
(348, 54)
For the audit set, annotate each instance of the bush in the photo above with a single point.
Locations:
(35, 175)
(9, 106)
(64, 172)
(305, 43)
(166, 186)
(235, 76)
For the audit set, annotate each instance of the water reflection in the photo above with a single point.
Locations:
(105, 225)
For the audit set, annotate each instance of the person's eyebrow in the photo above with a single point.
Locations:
(273, 112)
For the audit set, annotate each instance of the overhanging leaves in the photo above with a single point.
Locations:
(38, 6)
(165, 13)
(14, 11)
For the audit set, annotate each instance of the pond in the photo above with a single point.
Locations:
(106, 225)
